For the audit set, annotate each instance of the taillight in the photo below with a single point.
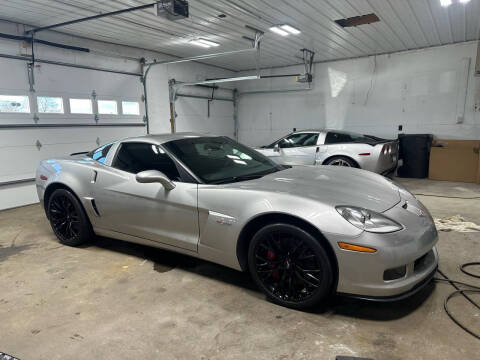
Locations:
(43, 177)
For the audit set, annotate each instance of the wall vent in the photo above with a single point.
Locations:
(358, 20)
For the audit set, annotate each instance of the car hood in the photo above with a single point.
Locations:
(330, 185)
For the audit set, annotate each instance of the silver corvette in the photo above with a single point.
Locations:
(302, 232)
(334, 147)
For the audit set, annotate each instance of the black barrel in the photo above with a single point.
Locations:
(415, 152)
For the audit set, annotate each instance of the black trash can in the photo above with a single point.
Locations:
(415, 153)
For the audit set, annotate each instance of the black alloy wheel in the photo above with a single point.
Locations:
(67, 218)
(290, 266)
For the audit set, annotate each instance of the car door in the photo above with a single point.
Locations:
(147, 211)
(298, 148)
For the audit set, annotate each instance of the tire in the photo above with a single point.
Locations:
(68, 219)
(341, 161)
(290, 266)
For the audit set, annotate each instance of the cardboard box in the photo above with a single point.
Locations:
(455, 160)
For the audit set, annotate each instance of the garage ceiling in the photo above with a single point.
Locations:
(404, 24)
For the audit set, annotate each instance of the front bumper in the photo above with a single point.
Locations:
(413, 248)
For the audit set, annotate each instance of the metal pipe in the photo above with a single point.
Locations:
(94, 17)
(44, 42)
(199, 57)
(272, 91)
(34, 126)
(203, 97)
(215, 81)
(14, 182)
(59, 63)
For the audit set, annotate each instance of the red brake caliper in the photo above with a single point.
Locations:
(271, 256)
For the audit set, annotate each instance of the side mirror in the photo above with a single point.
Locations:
(155, 176)
(276, 148)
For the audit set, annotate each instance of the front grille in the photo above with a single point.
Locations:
(423, 262)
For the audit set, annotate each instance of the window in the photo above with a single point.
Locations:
(108, 107)
(81, 106)
(50, 105)
(130, 108)
(218, 160)
(341, 138)
(301, 139)
(136, 157)
(14, 104)
(100, 154)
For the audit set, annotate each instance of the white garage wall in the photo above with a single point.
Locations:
(192, 114)
(19, 154)
(421, 90)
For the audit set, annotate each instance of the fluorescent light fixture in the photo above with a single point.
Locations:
(464, 1)
(278, 31)
(291, 29)
(215, 81)
(199, 43)
(445, 3)
(208, 42)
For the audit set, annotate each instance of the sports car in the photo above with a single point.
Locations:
(302, 232)
(334, 147)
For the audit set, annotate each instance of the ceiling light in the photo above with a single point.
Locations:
(464, 1)
(278, 31)
(208, 42)
(445, 3)
(291, 29)
(198, 43)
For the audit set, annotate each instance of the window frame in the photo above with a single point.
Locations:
(108, 157)
(298, 133)
(109, 100)
(92, 103)
(127, 100)
(64, 108)
(15, 113)
(186, 176)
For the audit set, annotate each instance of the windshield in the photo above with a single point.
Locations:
(217, 160)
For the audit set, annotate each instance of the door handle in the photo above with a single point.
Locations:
(318, 149)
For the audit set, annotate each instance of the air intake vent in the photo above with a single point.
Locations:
(358, 20)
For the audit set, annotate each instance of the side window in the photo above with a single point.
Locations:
(14, 104)
(136, 157)
(100, 154)
(50, 105)
(302, 139)
(337, 138)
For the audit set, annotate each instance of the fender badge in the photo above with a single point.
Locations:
(222, 219)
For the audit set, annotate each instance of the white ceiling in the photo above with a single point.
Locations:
(404, 24)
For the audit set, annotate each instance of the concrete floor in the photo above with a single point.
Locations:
(114, 300)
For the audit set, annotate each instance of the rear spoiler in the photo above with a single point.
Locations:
(79, 153)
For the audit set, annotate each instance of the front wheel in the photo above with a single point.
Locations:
(68, 219)
(290, 266)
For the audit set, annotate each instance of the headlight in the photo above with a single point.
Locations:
(368, 220)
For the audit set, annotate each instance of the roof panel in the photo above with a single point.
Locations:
(405, 24)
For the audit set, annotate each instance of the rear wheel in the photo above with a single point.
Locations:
(341, 161)
(68, 219)
(290, 266)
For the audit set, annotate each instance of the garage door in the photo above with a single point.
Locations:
(70, 110)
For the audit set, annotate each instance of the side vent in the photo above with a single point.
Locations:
(94, 177)
(94, 206)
